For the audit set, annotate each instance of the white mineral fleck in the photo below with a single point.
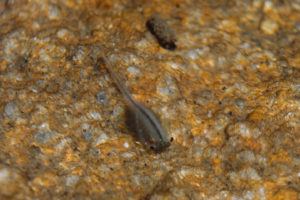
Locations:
(269, 6)
(126, 145)
(244, 129)
(233, 176)
(262, 160)
(133, 70)
(128, 154)
(85, 126)
(209, 114)
(4, 175)
(235, 197)
(137, 179)
(248, 195)
(269, 26)
(63, 143)
(101, 139)
(224, 194)
(164, 91)
(192, 54)
(133, 59)
(62, 33)
(240, 103)
(44, 56)
(173, 65)
(53, 13)
(143, 44)
(42, 136)
(117, 111)
(247, 156)
(72, 180)
(36, 25)
(249, 173)
(11, 110)
(245, 46)
(261, 191)
(80, 55)
(241, 87)
(101, 97)
(94, 115)
(168, 89)
(10, 46)
(185, 172)
(44, 125)
(86, 132)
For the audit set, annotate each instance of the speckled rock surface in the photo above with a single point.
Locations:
(229, 96)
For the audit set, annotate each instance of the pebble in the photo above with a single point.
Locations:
(164, 34)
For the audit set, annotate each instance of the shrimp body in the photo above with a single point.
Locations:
(147, 126)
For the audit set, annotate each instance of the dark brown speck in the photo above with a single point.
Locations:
(163, 33)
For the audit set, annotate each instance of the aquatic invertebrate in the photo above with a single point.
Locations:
(147, 126)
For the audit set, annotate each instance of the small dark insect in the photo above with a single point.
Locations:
(164, 34)
(146, 125)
